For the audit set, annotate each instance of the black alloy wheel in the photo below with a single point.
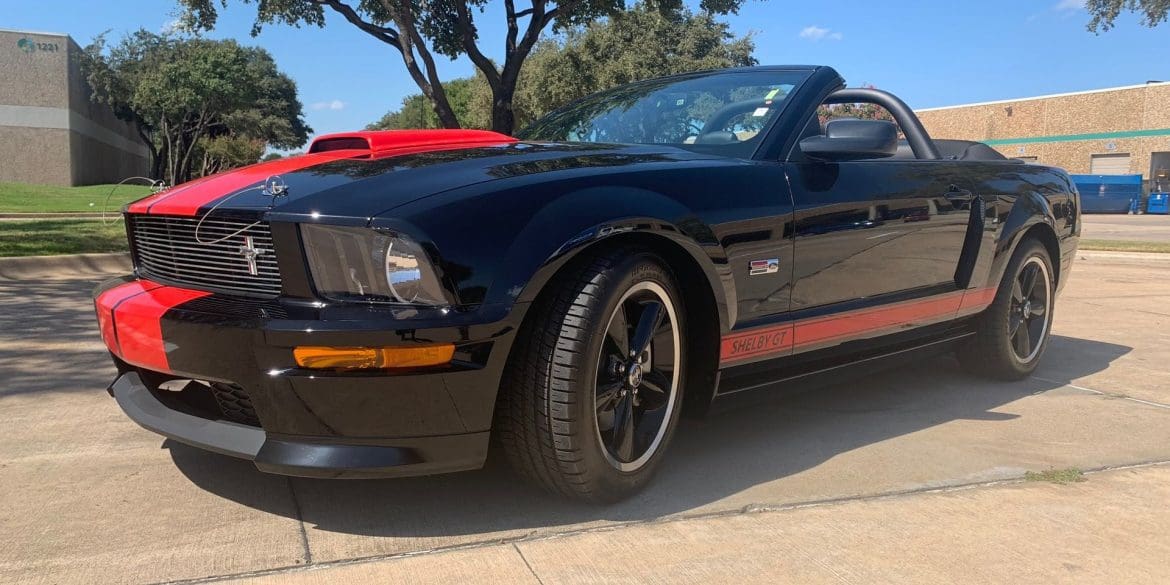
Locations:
(594, 383)
(1028, 317)
(1011, 334)
(636, 375)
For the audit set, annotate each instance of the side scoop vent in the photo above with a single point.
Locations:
(379, 141)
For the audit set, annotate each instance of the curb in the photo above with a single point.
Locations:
(1122, 257)
(63, 266)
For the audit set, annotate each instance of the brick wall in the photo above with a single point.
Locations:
(1042, 127)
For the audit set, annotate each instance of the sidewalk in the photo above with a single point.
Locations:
(1112, 528)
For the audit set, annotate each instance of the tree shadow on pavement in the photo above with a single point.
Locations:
(709, 460)
(49, 338)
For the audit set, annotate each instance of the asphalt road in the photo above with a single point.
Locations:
(1132, 228)
(87, 496)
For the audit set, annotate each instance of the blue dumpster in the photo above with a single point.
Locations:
(1108, 193)
(1158, 203)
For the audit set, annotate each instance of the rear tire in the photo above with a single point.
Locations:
(1013, 332)
(584, 410)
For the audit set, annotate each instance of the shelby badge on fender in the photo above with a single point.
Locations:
(391, 303)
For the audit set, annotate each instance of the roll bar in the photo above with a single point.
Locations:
(916, 135)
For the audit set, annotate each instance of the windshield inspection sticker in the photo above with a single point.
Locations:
(760, 112)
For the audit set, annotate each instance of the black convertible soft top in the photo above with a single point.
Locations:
(954, 150)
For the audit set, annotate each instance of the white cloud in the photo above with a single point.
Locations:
(815, 33)
(1069, 5)
(335, 105)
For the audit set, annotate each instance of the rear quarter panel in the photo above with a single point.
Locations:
(1024, 199)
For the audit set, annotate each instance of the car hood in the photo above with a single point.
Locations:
(357, 185)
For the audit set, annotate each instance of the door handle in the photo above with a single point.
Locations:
(957, 196)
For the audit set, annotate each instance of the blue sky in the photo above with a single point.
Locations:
(931, 52)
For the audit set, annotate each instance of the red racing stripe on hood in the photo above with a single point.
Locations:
(130, 318)
(186, 199)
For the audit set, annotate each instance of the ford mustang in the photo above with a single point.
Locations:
(392, 303)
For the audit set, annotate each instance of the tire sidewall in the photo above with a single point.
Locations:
(634, 269)
(1001, 310)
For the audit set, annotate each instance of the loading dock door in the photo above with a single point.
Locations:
(1109, 164)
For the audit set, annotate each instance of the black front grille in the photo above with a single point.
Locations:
(237, 307)
(217, 260)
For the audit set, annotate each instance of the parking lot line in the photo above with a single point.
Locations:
(1109, 394)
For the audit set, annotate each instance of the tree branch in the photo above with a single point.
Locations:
(510, 14)
(536, 25)
(386, 35)
(412, 42)
(467, 35)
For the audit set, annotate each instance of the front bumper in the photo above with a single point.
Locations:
(300, 456)
(176, 351)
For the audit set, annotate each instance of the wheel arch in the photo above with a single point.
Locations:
(704, 305)
(1031, 216)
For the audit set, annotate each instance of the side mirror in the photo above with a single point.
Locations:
(848, 139)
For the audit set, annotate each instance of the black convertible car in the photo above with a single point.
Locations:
(391, 303)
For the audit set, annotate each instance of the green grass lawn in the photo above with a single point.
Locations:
(1123, 246)
(22, 198)
(60, 236)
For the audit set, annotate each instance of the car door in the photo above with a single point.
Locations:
(876, 245)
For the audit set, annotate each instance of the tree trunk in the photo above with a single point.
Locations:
(152, 151)
(444, 112)
(503, 114)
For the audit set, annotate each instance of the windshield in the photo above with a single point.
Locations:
(718, 112)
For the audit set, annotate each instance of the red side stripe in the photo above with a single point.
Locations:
(975, 300)
(820, 331)
(130, 320)
(856, 323)
(186, 199)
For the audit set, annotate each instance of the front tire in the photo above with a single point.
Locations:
(1014, 330)
(593, 389)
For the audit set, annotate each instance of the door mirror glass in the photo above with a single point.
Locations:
(848, 139)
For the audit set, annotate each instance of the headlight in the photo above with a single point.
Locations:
(362, 264)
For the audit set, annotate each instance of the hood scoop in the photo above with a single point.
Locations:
(389, 141)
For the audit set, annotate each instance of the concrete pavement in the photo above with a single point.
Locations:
(1110, 528)
(86, 496)
(1132, 228)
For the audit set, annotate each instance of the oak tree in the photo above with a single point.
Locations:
(418, 30)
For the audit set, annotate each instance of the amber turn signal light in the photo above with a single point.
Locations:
(372, 358)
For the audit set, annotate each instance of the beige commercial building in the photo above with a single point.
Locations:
(1114, 131)
(50, 131)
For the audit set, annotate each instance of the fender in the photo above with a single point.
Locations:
(545, 229)
(589, 217)
(1028, 210)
